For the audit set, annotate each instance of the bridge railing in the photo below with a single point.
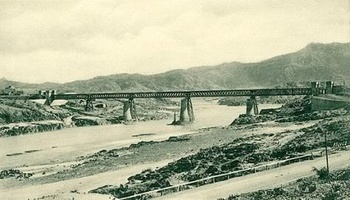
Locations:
(217, 178)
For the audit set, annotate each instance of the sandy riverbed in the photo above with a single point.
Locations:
(78, 187)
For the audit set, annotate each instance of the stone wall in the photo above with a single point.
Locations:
(328, 102)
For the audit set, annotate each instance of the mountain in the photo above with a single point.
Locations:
(27, 86)
(314, 62)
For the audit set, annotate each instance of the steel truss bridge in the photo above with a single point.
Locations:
(186, 103)
(186, 107)
(181, 94)
(199, 93)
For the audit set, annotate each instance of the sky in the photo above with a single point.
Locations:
(66, 40)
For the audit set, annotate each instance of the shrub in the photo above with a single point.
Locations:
(321, 173)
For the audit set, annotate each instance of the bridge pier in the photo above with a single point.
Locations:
(315, 87)
(252, 105)
(329, 87)
(49, 97)
(129, 110)
(89, 106)
(186, 111)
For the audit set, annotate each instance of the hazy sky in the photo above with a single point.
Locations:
(61, 41)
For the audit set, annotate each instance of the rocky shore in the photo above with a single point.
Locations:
(245, 152)
(293, 111)
(18, 117)
(14, 173)
(241, 153)
(14, 129)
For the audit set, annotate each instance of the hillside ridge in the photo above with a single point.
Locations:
(316, 61)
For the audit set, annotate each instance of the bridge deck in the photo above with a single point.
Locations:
(176, 94)
(199, 93)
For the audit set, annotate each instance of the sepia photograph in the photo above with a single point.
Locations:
(175, 99)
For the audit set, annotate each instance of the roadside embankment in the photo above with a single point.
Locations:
(329, 101)
(336, 185)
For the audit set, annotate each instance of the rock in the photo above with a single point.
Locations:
(244, 119)
(178, 138)
(142, 143)
(14, 173)
(89, 121)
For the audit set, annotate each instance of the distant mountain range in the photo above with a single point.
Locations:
(314, 62)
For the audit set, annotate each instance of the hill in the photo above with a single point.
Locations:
(27, 87)
(314, 62)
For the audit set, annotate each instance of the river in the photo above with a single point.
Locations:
(67, 144)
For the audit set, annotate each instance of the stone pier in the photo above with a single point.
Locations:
(89, 106)
(315, 87)
(49, 97)
(129, 110)
(252, 105)
(186, 111)
(329, 87)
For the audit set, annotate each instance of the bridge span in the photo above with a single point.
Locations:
(186, 108)
(197, 93)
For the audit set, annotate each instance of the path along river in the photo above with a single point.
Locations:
(67, 144)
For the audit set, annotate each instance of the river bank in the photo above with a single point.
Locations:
(15, 129)
(19, 117)
(245, 151)
(90, 151)
(114, 161)
(241, 153)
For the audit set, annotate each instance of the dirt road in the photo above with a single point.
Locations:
(262, 180)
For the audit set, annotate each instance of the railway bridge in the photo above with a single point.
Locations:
(186, 107)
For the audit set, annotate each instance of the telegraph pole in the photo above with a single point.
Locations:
(325, 143)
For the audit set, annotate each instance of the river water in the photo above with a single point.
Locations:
(67, 144)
